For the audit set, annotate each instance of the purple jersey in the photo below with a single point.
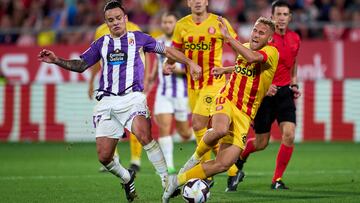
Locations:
(123, 69)
(170, 85)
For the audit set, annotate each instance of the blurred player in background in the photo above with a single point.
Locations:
(279, 104)
(171, 96)
(199, 37)
(122, 103)
(135, 145)
(236, 104)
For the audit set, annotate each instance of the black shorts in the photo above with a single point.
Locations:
(280, 107)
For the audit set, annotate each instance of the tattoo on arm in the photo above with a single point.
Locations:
(76, 65)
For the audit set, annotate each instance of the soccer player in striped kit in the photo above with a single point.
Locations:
(122, 103)
(135, 145)
(279, 103)
(171, 96)
(236, 104)
(198, 36)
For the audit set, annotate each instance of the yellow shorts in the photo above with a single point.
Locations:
(239, 121)
(200, 100)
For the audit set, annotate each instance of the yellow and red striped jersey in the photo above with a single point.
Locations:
(249, 82)
(203, 43)
(104, 30)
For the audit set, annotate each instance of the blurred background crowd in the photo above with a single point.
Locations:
(47, 22)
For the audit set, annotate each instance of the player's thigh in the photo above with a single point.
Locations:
(181, 109)
(163, 105)
(105, 147)
(239, 128)
(265, 116)
(221, 112)
(107, 125)
(183, 128)
(164, 121)
(141, 128)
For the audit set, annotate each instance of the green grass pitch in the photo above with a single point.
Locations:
(64, 172)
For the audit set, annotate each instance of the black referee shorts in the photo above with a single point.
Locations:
(280, 107)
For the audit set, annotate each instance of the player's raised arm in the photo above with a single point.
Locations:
(76, 65)
(250, 55)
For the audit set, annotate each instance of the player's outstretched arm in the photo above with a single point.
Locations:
(249, 55)
(174, 54)
(76, 65)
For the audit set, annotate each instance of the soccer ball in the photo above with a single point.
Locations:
(196, 191)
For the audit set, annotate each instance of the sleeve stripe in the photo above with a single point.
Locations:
(264, 55)
(160, 48)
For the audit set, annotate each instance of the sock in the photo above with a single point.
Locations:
(196, 172)
(282, 161)
(156, 157)
(215, 149)
(249, 148)
(118, 170)
(198, 135)
(167, 146)
(201, 149)
(232, 170)
(135, 150)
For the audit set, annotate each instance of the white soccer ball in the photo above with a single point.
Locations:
(196, 191)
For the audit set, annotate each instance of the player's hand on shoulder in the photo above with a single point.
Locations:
(47, 56)
(272, 90)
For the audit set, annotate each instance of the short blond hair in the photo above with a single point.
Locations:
(266, 21)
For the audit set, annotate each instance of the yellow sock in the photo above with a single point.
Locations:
(232, 170)
(196, 172)
(198, 135)
(116, 153)
(202, 149)
(215, 149)
(135, 149)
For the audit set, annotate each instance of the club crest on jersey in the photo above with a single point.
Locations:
(208, 99)
(117, 57)
(131, 41)
(211, 30)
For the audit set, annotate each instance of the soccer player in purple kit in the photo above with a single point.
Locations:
(122, 103)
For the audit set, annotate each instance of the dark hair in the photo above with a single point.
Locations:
(171, 13)
(279, 3)
(113, 4)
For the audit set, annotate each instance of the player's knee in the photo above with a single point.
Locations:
(184, 133)
(105, 158)
(197, 125)
(144, 137)
(220, 131)
(288, 137)
(261, 144)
